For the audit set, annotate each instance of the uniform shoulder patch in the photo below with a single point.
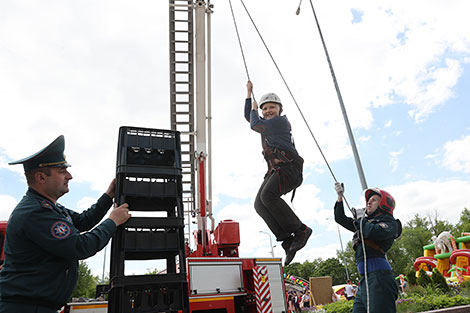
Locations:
(383, 225)
(60, 230)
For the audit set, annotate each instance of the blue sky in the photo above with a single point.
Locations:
(84, 70)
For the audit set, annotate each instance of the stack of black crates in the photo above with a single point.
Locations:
(149, 179)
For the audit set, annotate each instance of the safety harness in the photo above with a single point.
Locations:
(278, 158)
(371, 243)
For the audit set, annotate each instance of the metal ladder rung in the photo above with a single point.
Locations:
(181, 62)
(181, 51)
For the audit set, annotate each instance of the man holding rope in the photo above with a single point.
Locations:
(374, 235)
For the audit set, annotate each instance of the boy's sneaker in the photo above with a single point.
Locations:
(286, 246)
(287, 243)
(289, 257)
(300, 239)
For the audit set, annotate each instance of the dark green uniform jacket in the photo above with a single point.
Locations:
(43, 245)
(379, 233)
(382, 230)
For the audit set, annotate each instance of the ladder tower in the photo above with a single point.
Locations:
(182, 97)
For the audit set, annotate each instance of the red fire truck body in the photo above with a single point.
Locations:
(224, 282)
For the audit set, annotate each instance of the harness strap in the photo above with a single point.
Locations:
(373, 245)
(293, 195)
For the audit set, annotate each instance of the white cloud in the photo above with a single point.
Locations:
(393, 162)
(388, 124)
(435, 92)
(431, 156)
(7, 204)
(457, 156)
(313, 252)
(447, 198)
(84, 203)
(3, 161)
(307, 207)
(364, 138)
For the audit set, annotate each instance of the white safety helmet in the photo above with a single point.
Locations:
(270, 97)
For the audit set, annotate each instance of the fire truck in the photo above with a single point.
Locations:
(219, 280)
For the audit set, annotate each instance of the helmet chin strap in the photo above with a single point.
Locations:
(376, 212)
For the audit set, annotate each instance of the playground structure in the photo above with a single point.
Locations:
(451, 259)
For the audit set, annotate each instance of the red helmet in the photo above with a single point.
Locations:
(387, 203)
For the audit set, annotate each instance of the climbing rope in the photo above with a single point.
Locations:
(241, 46)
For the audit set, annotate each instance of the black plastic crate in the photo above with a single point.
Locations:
(155, 222)
(148, 193)
(151, 240)
(149, 186)
(140, 170)
(149, 147)
(149, 293)
(151, 204)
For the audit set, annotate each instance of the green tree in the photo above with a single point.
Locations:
(332, 267)
(415, 236)
(411, 276)
(464, 223)
(152, 271)
(397, 257)
(350, 258)
(294, 269)
(438, 226)
(423, 279)
(438, 281)
(86, 284)
(304, 270)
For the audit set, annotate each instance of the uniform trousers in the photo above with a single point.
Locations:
(383, 292)
(10, 307)
(277, 214)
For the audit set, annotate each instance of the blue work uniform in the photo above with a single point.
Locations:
(43, 244)
(284, 173)
(379, 233)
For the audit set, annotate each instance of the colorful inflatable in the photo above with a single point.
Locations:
(451, 259)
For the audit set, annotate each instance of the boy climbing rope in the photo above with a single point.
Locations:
(284, 172)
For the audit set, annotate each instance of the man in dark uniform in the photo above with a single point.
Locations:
(375, 233)
(45, 240)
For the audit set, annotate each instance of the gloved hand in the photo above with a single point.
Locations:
(339, 187)
(357, 213)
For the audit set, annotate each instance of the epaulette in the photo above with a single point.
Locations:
(45, 204)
